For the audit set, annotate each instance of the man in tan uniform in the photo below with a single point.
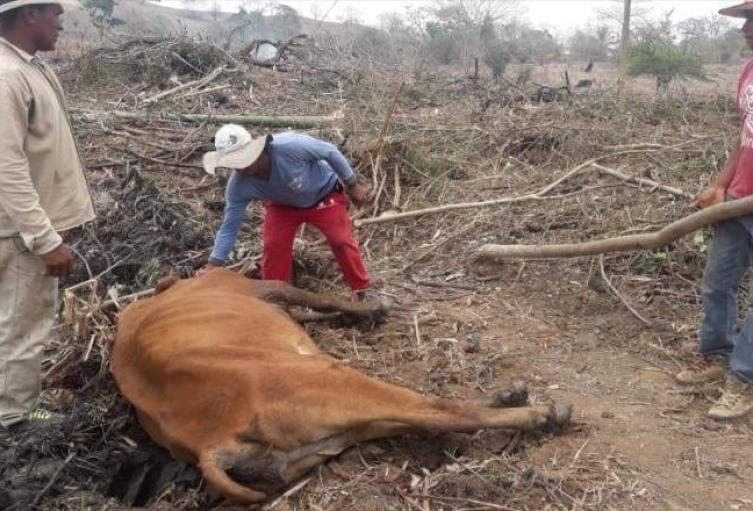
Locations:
(43, 194)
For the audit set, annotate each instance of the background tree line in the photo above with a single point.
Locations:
(457, 32)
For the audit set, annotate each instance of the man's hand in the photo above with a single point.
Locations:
(206, 269)
(359, 194)
(59, 262)
(712, 196)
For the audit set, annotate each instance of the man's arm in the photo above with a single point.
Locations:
(316, 150)
(18, 196)
(716, 192)
(226, 237)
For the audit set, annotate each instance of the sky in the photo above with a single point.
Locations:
(559, 16)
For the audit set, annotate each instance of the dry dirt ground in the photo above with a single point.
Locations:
(459, 328)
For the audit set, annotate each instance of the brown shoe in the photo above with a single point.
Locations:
(736, 401)
(704, 369)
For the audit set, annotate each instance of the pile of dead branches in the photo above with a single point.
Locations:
(153, 60)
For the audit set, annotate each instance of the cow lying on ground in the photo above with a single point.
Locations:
(220, 376)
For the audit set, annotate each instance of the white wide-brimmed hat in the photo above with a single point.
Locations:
(742, 10)
(236, 149)
(15, 4)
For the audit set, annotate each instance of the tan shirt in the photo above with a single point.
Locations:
(42, 185)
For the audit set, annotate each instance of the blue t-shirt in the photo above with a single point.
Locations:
(303, 171)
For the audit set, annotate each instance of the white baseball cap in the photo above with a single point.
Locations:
(15, 4)
(236, 149)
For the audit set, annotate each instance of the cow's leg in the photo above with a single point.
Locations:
(288, 467)
(303, 460)
(264, 468)
(285, 294)
(351, 399)
(252, 463)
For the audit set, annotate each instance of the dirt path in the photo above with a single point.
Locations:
(648, 437)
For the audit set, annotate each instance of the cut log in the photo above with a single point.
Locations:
(314, 121)
(264, 121)
(646, 241)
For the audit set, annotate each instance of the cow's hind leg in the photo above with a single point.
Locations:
(355, 400)
(283, 293)
(271, 470)
(279, 469)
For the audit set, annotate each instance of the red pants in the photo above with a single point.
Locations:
(331, 217)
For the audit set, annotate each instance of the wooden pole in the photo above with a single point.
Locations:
(648, 241)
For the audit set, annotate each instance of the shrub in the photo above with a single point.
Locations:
(496, 56)
(665, 63)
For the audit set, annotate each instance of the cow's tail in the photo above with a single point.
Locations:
(216, 476)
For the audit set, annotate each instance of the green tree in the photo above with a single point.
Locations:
(496, 52)
(442, 43)
(102, 14)
(666, 63)
(597, 43)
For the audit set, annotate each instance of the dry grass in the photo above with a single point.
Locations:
(451, 140)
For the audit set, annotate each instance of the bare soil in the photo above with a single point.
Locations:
(459, 329)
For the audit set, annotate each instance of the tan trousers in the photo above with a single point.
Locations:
(28, 301)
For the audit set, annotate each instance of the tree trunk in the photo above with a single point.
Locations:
(625, 47)
(648, 241)
(273, 121)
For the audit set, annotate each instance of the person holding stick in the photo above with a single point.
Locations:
(722, 354)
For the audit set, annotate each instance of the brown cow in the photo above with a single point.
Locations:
(221, 377)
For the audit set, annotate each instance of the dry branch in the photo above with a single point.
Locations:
(618, 294)
(646, 241)
(539, 195)
(640, 180)
(196, 83)
(296, 121)
(282, 47)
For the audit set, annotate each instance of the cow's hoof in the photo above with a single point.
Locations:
(380, 310)
(514, 395)
(560, 415)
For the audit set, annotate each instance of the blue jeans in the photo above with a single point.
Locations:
(729, 257)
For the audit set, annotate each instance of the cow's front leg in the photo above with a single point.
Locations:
(285, 294)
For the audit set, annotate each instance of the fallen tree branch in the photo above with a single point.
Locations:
(313, 121)
(395, 217)
(157, 160)
(201, 82)
(646, 241)
(618, 294)
(643, 181)
(208, 90)
(281, 47)
(539, 195)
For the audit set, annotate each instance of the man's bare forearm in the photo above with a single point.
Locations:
(725, 177)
